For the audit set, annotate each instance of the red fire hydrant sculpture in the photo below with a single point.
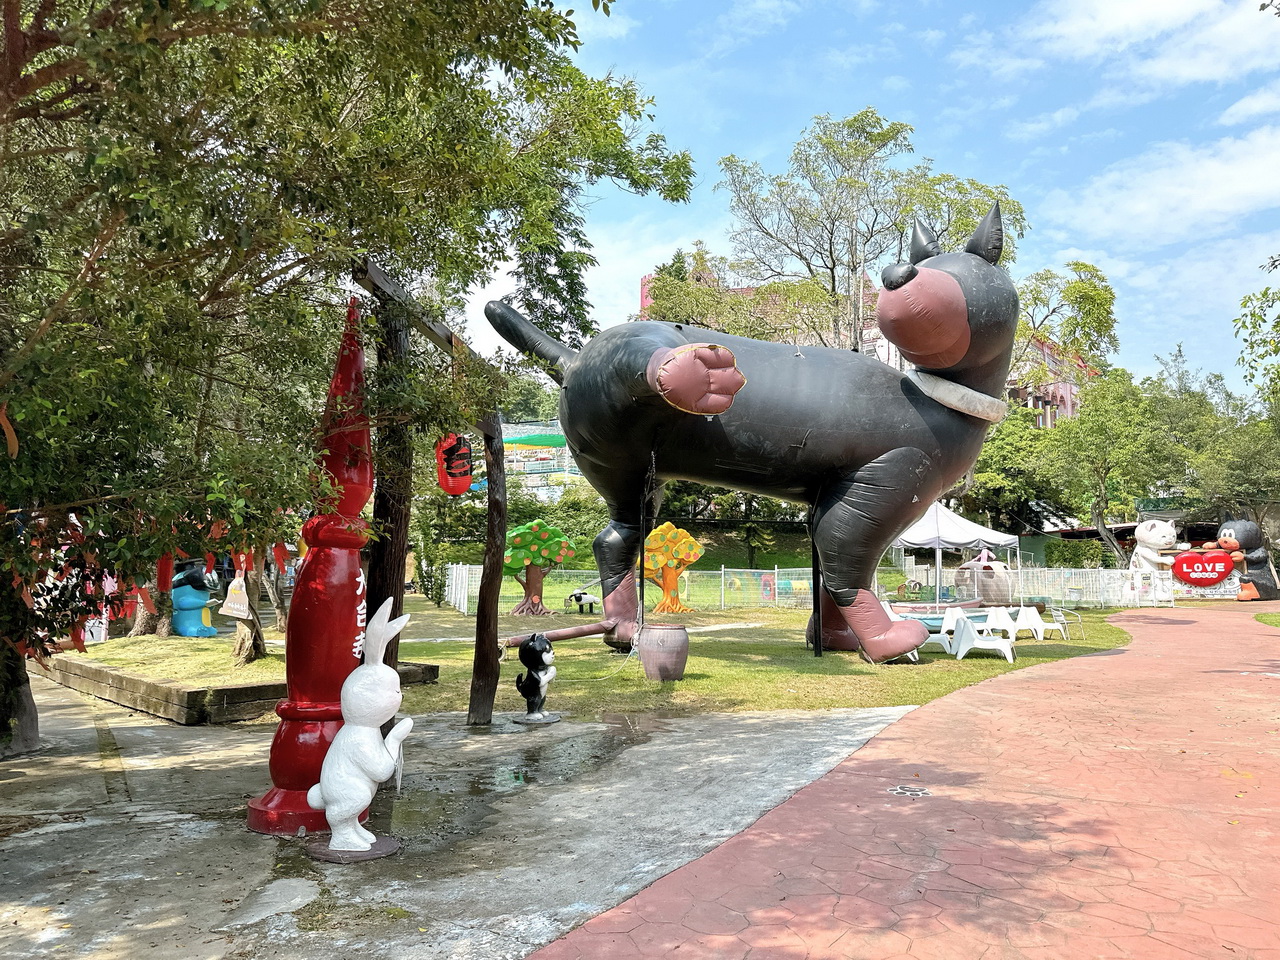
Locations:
(328, 613)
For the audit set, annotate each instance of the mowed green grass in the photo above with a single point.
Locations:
(757, 662)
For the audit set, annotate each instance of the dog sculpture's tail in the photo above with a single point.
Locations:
(524, 336)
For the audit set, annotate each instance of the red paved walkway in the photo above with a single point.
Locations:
(1116, 805)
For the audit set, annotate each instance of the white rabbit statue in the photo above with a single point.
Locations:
(359, 758)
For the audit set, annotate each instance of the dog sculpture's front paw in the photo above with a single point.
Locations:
(696, 378)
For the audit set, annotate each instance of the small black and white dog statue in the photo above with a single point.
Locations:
(537, 657)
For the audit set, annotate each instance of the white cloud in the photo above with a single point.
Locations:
(595, 27)
(1260, 103)
(1084, 29)
(1175, 192)
(746, 20)
(1039, 126)
(1188, 295)
(1224, 45)
(992, 59)
(896, 83)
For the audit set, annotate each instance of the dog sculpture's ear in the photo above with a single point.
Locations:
(923, 243)
(988, 240)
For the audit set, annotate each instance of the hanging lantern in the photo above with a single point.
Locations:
(453, 464)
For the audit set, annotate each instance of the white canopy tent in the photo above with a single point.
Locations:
(943, 529)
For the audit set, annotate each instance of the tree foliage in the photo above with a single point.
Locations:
(845, 207)
(1109, 453)
(183, 184)
(1073, 315)
(1014, 487)
(705, 293)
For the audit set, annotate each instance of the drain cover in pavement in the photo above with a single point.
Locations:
(907, 790)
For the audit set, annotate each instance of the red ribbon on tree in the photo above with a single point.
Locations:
(281, 555)
(453, 464)
(164, 573)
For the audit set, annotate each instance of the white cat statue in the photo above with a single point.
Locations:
(1148, 570)
(1151, 537)
(359, 758)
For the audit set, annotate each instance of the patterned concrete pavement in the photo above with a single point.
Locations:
(1120, 805)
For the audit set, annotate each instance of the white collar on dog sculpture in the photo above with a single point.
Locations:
(959, 397)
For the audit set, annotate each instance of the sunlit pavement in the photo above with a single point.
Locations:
(1122, 804)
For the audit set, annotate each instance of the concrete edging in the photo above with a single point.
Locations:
(183, 703)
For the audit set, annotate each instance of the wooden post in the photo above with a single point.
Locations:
(486, 668)
(393, 477)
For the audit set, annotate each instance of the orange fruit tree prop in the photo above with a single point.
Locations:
(667, 552)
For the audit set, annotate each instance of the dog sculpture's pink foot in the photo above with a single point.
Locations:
(696, 378)
(881, 638)
(622, 608)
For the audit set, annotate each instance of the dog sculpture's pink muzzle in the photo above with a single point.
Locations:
(927, 319)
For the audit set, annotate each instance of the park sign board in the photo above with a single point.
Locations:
(1203, 569)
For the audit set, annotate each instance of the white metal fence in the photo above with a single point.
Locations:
(725, 589)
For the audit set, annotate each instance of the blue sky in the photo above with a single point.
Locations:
(1140, 135)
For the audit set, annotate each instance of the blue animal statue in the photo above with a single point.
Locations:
(191, 604)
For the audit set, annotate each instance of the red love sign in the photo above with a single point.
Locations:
(1203, 569)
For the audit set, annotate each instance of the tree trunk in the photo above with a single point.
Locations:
(250, 643)
(486, 668)
(19, 719)
(531, 605)
(670, 602)
(274, 583)
(1109, 538)
(393, 479)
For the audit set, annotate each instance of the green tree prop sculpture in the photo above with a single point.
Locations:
(532, 549)
(668, 550)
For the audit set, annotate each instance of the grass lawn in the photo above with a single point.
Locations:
(764, 666)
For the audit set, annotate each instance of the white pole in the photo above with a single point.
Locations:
(937, 566)
(722, 586)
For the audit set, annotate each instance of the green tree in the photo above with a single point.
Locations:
(1013, 485)
(706, 295)
(1072, 314)
(579, 511)
(845, 207)
(533, 549)
(182, 185)
(1109, 453)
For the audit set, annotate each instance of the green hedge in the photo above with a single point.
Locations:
(1078, 554)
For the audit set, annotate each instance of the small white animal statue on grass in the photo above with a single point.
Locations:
(359, 758)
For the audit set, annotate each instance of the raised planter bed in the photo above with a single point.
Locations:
(180, 702)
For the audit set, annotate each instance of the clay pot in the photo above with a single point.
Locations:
(663, 649)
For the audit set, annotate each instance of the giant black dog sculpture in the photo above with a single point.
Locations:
(866, 446)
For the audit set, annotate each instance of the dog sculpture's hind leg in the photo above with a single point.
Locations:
(853, 523)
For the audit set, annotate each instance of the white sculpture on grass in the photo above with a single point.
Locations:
(360, 758)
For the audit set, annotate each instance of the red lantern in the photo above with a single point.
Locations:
(453, 464)
(1203, 569)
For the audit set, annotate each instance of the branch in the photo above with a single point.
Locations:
(100, 245)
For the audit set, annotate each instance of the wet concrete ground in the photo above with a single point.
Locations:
(125, 836)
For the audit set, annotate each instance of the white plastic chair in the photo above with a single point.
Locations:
(999, 621)
(1062, 621)
(967, 638)
(945, 637)
(1029, 619)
